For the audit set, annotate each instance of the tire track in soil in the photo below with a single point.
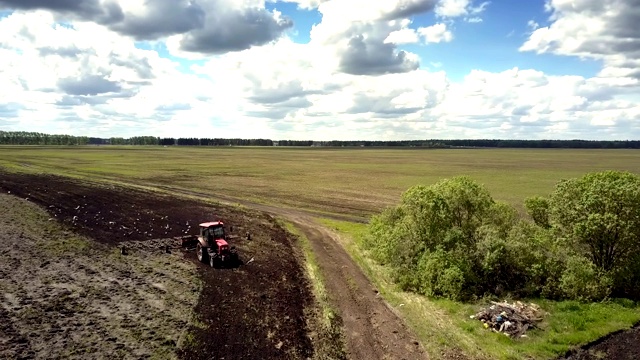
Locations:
(11, 341)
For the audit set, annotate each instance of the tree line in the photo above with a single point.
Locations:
(36, 138)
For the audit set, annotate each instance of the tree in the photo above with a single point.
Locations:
(601, 212)
(448, 239)
(599, 216)
(451, 239)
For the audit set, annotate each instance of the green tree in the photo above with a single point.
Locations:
(538, 208)
(447, 239)
(600, 211)
(598, 215)
(451, 239)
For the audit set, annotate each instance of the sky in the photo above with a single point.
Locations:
(322, 69)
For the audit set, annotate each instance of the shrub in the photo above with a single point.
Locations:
(430, 240)
(439, 276)
(538, 208)
(581, 280)
(542, 256)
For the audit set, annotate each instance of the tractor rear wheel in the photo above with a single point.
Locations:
(203, 255)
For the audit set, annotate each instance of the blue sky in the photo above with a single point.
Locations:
(492, 44)
(261, 75)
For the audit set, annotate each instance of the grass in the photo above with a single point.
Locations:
(330, 342)
(352, 181)
(444, 325)
(53, 238)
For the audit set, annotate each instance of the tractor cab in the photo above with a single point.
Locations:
(211, 231)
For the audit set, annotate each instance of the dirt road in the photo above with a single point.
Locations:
(372, 330)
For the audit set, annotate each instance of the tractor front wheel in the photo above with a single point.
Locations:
(214, 260)
(202, 253)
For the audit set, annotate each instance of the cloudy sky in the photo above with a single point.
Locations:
(322, 69)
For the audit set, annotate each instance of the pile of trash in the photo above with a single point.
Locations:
(513, 320)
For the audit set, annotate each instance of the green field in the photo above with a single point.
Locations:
(349, 181)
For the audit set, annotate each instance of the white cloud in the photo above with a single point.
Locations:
(436, 33)
(452, 8)
(351, 81)
(598, 29)
(205, 26)
(358, 34)
(402, 36)
(304, 4)
(456, 8)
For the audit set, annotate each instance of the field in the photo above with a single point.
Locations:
(254, 311)
(346, 181)
(308, 292)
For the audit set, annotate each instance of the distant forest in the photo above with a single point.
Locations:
(34, 138)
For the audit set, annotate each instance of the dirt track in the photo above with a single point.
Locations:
(373, 331)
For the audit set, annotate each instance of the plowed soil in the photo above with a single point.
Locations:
(255, 311)
(621, 345)
(67, 297)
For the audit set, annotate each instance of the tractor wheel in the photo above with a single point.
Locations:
(213, 261)
(203, 255)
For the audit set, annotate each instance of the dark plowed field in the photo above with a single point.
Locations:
(255, 311)
(621, 345)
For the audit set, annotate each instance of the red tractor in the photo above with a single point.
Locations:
(212, 246)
